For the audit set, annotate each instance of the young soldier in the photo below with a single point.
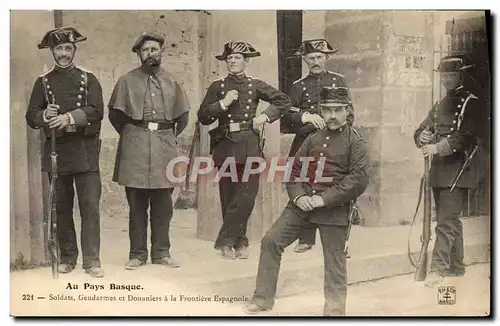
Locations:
(318, 203)
(448, 133)
(233, 101)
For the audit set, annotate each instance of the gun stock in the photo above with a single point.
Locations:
(421, 271)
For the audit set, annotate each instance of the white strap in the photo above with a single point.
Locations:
(461, 115)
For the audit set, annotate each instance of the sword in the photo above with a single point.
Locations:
(464, 166)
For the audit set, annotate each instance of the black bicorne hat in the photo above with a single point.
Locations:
(59, 36)
(456, 62)
(238, 47)
(310, 46)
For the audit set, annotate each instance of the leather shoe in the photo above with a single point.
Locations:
(302, 247)
(455, 273)
(253, 309)
(242, 252)
(433, 279)
(64, 268)
(134, 263)
(227, 253)
(95, 271)
(166, 261)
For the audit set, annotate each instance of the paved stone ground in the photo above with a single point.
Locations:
(203, 275)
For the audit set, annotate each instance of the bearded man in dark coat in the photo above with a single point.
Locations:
(149, 109)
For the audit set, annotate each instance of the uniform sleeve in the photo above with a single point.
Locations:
(278, 101)
(465, 137)
(36, 106)
(94, 110)
(294, 116)
(210, 107)
(426, 123)
(295, 188)
(355, 182)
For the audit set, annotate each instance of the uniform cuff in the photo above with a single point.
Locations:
(78, 118)
(443, 147)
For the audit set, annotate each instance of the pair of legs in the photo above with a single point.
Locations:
(448, 253)
(285, 231)
(88, 189)
(159, 201)
(237, 203)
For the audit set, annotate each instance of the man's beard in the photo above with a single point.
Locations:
(151, 62)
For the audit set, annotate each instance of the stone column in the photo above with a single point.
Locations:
(259, 29)
(385, 57)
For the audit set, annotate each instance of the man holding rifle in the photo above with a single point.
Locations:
(67, 103)
(448, 133)
(336, 161)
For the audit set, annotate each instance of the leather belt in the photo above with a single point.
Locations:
(152, 126)
(239, 126)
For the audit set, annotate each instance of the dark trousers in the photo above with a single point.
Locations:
(160, 203)
(237, 203)
(308, 236)
(284, 232)
(88, 189)
(448, 253)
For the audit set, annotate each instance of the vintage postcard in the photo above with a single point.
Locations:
(250, 163)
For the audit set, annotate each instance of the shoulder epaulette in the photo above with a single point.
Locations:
(83, 69)
(47, 72)
(335, 73)
(295, 82)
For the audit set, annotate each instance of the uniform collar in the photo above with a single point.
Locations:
(238, 77)
(65, 69)
(324, 73)
(457, 91)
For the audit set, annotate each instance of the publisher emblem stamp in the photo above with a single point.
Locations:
(447, 295)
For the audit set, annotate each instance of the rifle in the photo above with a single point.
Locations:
(353, 211)
(421, 268)
(53, 244)
(464, 167)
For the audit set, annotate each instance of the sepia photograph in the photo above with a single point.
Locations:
(241, 163)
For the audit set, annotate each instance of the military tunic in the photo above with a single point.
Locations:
(238, 198)
(77, 92)
(305, 96)
(454, 121)
(245, 143)
(346, 162)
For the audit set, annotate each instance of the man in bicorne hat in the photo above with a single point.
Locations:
(304, 117)
(68, 99)
(448, 134)
(321, 200)
(149, 109)
(233, 100)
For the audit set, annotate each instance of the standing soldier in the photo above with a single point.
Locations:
(322, 203)
(304, 117)
(449, 133)
(69, 99)
(149, 109)
(233, 100)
